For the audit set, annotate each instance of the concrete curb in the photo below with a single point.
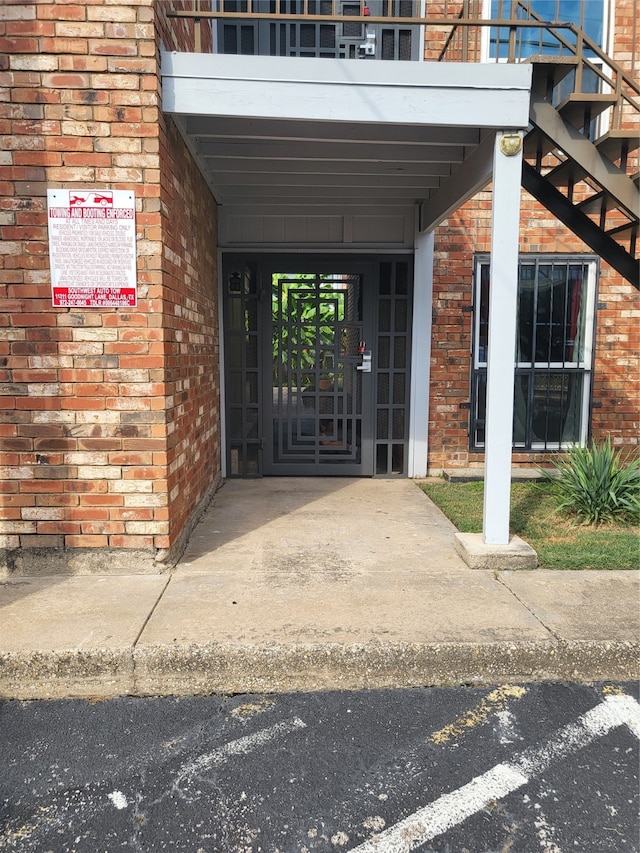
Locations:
(91, 673)
(226, 669)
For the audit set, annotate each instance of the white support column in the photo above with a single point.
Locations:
(421, 354)
(505, 225)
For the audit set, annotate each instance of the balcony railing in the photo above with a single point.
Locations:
(447, 31)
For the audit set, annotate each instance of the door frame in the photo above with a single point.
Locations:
(301, 261)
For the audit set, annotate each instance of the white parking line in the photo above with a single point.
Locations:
(237, 747)
(453, 808)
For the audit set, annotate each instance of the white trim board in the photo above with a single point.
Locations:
(425, 93)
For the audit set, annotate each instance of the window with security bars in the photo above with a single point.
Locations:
(554, 352)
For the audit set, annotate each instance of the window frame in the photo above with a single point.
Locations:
(487, 33)
(583, 366)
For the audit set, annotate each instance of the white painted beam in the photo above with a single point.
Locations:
(467, 95)
(208, 127)
(505, 225)
(471, 177)
(421, 355)
(363, 182)
(353, 228)
(330, 150)
(222, 385)
(299, 166)
(483, 75)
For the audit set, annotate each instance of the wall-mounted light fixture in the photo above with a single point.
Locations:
(235, 282)
(510, 144)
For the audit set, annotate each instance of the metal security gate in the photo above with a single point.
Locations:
(318, 412)
(317, 362)
(312, 37)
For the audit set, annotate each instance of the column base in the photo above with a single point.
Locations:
(477, 554)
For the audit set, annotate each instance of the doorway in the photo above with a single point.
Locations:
(316, 365)
(318, 406)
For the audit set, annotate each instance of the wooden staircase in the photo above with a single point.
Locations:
(580, 154)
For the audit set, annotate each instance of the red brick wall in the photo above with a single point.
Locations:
(94, 403)
(109, 435)
(183, 33)
(626, 36)
(616, 391)
(464, 233)
(616, 386)
(190, 331)
(462, 44)
(617, 367)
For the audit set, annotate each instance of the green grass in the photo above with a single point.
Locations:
(558, 540)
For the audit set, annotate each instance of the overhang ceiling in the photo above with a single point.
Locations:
(309, 137)
(292, 162)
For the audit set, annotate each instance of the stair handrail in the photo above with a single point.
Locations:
(582, 41)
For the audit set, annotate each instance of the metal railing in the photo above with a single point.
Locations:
(459, 33)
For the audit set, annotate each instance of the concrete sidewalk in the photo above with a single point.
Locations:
(317, 583)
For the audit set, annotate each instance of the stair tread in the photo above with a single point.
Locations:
(537, 139)
(552, 59)
(600, 241)
(550, 69)
(589, 98)
(626, 230)
(596, 202)
(567, 171)
(611, 143)
(574, 107)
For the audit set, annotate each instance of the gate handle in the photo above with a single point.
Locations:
(365, 367)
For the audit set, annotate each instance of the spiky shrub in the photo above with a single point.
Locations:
(598, 484)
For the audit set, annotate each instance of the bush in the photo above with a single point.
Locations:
(597, 484)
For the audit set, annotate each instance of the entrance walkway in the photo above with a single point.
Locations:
(314, 583)
(332, 560)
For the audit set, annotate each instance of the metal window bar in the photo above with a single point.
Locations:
(554, 376)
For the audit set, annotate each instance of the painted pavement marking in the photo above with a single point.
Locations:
(492, 703)
(54, 815)
(451, 809)
(241, 746)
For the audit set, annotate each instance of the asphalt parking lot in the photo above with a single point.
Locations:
(510, 768)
